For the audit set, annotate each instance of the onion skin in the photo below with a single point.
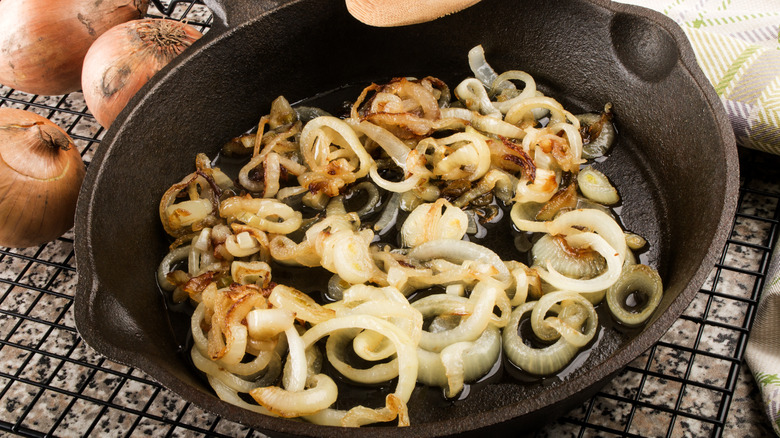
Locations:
(41, 172)
(43, 42)
(123, 59)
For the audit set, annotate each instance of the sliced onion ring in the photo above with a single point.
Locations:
(596, 284)
(536, 361)
(594, 220)
(407, 355)
(460, 251)
(548, 328)
(635, 279)
(320, 394)
(336, 347)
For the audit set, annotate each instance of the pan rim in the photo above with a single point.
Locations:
(89, 283)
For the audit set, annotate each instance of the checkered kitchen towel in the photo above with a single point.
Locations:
(737, 45)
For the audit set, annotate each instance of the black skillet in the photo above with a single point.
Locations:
(676, 167)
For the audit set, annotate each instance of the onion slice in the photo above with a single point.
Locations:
(635, 279)
(596, 284)
(321, 392)
(460, 251)
(596, 187)
(536, 361)
(549, 328)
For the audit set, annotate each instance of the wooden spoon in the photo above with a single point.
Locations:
(387, 13)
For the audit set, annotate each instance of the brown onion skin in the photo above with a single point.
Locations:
(41, 172)
(43, 42)
(123, 59)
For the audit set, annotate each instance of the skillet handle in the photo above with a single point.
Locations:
(232, 13)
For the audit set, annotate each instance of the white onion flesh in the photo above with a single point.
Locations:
(335, 347)
(466, 361)
(267, 323)
(550, 328)
(636, 279)
(599, 283)
(481, 304)
(320, 394)
(574, 263)
(440, 220)
(460, 251)
(596, 187)
(536, 361)
(173, 257)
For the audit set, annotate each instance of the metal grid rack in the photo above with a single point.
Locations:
(53, 384)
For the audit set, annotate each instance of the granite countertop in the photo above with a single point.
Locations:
(692, 383)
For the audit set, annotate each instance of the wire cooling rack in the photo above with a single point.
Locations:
(691, 383)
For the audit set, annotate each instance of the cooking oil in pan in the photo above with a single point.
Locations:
(496, 232)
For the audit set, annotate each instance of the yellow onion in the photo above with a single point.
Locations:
(123, 59)
(43, 42)
(40, 176)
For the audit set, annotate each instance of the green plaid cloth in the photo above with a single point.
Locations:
(763, 350)
(738, 47)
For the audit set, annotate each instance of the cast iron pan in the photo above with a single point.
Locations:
(676, 167)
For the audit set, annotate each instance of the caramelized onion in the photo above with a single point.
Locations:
(430, 311)
(598, 132)
(265, 214)
(460, 251)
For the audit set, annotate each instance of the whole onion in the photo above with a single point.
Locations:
(43, 42)
(41, 173)
(123, 59)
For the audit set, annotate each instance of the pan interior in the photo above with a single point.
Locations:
(429, 404)
(221, 89)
